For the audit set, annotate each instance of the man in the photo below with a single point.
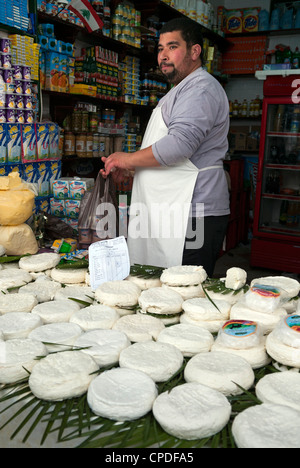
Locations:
(180, 164)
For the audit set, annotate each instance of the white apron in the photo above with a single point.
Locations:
(160, 206)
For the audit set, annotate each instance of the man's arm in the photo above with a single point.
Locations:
(124, 162)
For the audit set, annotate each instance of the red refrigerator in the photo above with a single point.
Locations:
(276, 226)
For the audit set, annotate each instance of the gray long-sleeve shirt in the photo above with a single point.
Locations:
(196, 112)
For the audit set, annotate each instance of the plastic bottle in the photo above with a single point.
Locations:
(283, 212)
(296, 59)
(244, 108)
(264, 20)
(295, 121)
(200, 11)
(275, 19)
(287, 56)
(279, 118)
(235, 108)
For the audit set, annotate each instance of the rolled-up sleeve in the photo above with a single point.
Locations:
(193, 116)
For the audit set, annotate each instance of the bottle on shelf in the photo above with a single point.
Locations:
(279, 118)
(283, 212)
(295, 121)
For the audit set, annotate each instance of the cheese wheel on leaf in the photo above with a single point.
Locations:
(95, 316)
(213, 326)
(201, 308)
(192, 411)
(144, 283)
(189, 339)
(187, 292)
(40, 262)
(18, 357)
(122, 394)
(63, 375)
(83, 294)
(267, 426)
(160, 301)
(158, 360)
(225, 372)
(104, 346)
(281, 388)
(18, 325)
(15, 302)
(57, 336)
(139, 327)
(120, 294)
(183, 275)
(56, 311)
(235, 278)
(14, 278)
(69, 276)
(43, 288)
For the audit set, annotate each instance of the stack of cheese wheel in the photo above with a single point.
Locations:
(95, 316)
(201, 311)
(245, 339)
(261, 304)
(234, 283)
(145, 283)
(164, 304)
(122, 295)
(283, 343)
(185, 279)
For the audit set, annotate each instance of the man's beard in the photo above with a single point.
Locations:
(173, 76)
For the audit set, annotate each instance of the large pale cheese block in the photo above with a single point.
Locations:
(16, 206)
(18, 240)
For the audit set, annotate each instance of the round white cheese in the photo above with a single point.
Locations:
(118, 293)
(235, 278)
(122, 394)
(83, 293)
(267, 322)
(18, 357)
(232, 297)
(192, 411)
(200, 308)
(61, 376)
(160, 301)
(281, 388)
(44, 289)
(56, 311)
(145, 283)
(57, 336)
(139, 327)
(289, 287)
(187, 292)
(16, 302)
(183, 275)
(158, 360)
(240, 334)
(95, 316)
(69, 276)
(282, 353)
(267, 426)
(14, 278)
(257, 356)
(39, 262)
(288, 331)
(189, 339)
(263, 298)
(225, 372)
(104, 346)
(213, 326)
(18, 324)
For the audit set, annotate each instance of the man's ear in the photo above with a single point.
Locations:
(196, 51)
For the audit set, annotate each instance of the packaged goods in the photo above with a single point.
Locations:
(234, 21)
(251, 20)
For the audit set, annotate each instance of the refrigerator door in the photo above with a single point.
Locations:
(277, 210)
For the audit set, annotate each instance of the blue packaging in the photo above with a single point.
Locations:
(14, 143)
(29, 146)
(287, 19)
(3, 144)
(297, 20)
(275, 20)
(264, 20)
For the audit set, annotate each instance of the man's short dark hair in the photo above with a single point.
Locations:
(190, 30)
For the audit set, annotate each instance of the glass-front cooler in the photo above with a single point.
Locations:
(276, 225)
(279, 211)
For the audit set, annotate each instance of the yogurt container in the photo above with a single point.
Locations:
(5, 45)
(10, 101)
(10, 115)
(26, 72)
(17, 72)
(6, 61)
(18, 86)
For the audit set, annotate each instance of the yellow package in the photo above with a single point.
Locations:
(251, 20)
(234, 21)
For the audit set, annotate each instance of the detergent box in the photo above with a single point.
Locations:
(234, 21)
(29, 147)
(13, 140)
(251, 19)
(42, 140)
(3, 149)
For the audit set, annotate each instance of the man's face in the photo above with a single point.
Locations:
(174, 58)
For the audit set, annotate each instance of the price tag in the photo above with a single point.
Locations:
(108, 261)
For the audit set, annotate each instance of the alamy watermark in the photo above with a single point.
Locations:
(296, 93)
(157, 221)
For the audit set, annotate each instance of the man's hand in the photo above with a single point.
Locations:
(122, 164)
